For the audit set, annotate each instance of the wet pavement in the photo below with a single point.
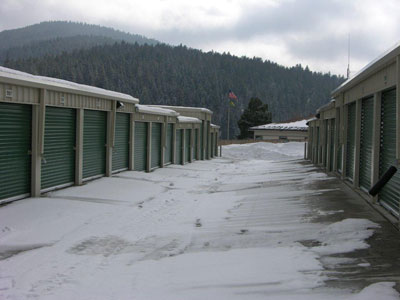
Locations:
(379, 262)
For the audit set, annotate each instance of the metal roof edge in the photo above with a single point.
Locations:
(185, 108)
(183, 119)
(329, 105)
(147, 109)
(381, 61)
(12, 76)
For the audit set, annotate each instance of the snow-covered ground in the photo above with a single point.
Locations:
(232, 228)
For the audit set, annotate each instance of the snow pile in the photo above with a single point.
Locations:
(380, 290)
(265, 151)
(298, 125)
(345, 236)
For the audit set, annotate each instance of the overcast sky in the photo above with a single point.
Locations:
(289, 32)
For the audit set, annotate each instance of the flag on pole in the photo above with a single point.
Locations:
(231, 95)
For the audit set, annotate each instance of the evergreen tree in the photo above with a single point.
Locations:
(254, 115)
(162, 74)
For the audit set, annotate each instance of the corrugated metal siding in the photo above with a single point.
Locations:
(188, 133)
(156, 145)
(169, 143)
(196, 143)
(311, 142)
(15, 144)
(339, 151)
(351, 131)
(77, 101)
(20, 94)
(120, 158)
(332, 146)
(202, 141)
(326, 143)
(58, 164)
(318, 158)
(140, 146)
(216, 144)
(208, 141)
(178, 146)
(390, 194)
(367, 117)
(212, 145)
(94, 143)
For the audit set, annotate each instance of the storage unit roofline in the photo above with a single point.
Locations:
(182, 119)
(215, 126)
(183, 108)
(147, 109)
(292, 126)
(380, 62)
(278, 129)
(21, 78)
(311, 120)
(327, 106)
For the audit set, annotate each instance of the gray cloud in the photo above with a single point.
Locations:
(313, 31)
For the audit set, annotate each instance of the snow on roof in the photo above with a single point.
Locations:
(215, 126)
(147, 109)
(298, 125)
(45, 82)
(201, 109)
(182, 119)
(310, 120)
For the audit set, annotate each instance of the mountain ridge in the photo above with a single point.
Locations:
(55, 37)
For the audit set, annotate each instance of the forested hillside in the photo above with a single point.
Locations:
(59, 36)
(162, 74)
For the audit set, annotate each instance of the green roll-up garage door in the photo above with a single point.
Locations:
(15, 146)
(58, 164)
(216, 144)
(120, 158)
(351, 130)
(332, 145)
(212, 144)
(94, 143)
(339, 150)
(390, 194)
(318, 152)
(188, 133)
(202, 141)
(140, 152)
(169, 143)
(208, 141)
(156, 145)
(178, 145)
(367, 116)
(326, 144)
(196, 143)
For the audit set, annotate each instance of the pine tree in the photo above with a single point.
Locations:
(254, 115)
